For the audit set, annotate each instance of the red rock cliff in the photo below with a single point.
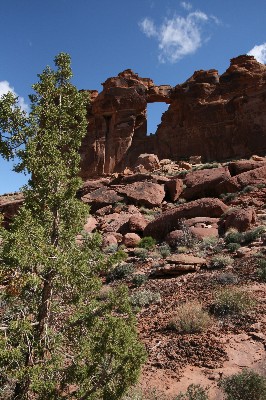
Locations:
(217, 117)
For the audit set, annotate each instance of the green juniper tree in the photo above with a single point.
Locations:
(57, 341)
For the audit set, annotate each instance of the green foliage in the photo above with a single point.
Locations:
(232, 247)
(147, 243)
(54, 331)
(244, 238)
(262, 269)
(232, 301)
(139, 279)
(12, 125)
(245, 385)
(190, 318)
(226, 278)
(221, 261)
(119, 272)
(144, 298)
(194, 392)
(141, 253)
(164, 250)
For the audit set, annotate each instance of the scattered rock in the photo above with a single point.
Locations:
(173, 189)
(144, 193)
(101, 197)
(170, 220)
(239, 219)
(131, 240)
(149, 161)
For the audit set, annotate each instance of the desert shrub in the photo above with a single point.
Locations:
(194, 392)
(190, 318)
(253, 234)
(232, 301)
(182, 249)
(248, 189)
(139, 279)
(221, 261)
(245, 385)
(188, 239)
(232, 247)
(164, 250)
(119, 272)
(147, 243)
(142, 254)
(226, 278)
(144, 298)
(262, 269)
(112, 248)
(233, 236)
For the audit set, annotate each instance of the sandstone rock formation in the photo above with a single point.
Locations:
(212, 116)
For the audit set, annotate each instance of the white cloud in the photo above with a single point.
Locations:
(147, 26)
(6, 87)
(259, 52)
(178, 36)
(187, 6)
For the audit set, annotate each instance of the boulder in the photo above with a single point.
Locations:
(178, 264)
(174, 237)
(201, 233)
(173, 189)
(144, 193)
(9, 206)
(208, 183)
(137, 223)
(101, 197)
(170, 220)
(149, 161)
(240, 219)
(195, 160)
(238, 167)
(253, 177)
(90, 225)
(131, 240)
(109, 240)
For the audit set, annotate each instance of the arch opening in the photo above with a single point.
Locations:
(154, 116)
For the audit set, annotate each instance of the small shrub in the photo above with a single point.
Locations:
(262, 269)
(232, 247)
(194, 392)
(188, 239)
(139, 279)
(246, 385)
(253, 234)
(232, 301)
(182, 249)
(112, 248)
(164, 250)
(221, 261)
(233, 236)
(147, 243)
(226, 279)
(248, 189)
(121, 271)
(144, 298)
(190, 318)
(142, 254)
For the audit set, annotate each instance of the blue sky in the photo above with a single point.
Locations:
(166, 40)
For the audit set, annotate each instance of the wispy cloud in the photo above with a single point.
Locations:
(259, 52)
(186, 5)
(178, 36)
(5, 87)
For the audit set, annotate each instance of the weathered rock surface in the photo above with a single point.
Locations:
(144, 193)
(150, 162)
(174, 188)
(131, 239)
(180, 263)
(237, 167)
(212, 116)
(101, 197)
(253, 177)
(208, 182)
(170, 220)
(9, 205)
(239, 219)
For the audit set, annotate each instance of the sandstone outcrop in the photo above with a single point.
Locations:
(170, 220)
(211, 116)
